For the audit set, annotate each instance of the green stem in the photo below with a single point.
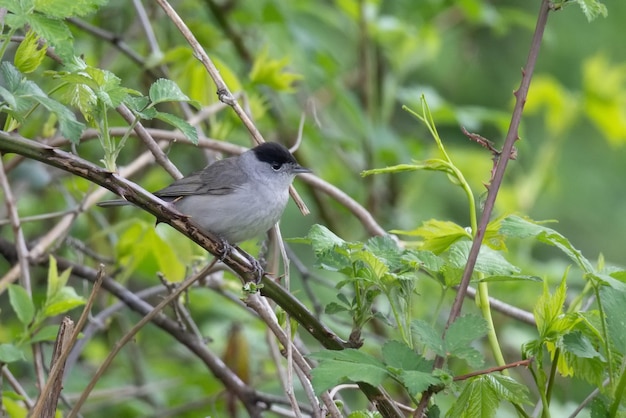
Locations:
(618, 394)
(553, 369)
(482, 299)
(605, 337)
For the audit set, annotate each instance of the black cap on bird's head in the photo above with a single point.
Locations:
(277, 155)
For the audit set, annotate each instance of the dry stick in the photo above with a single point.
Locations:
(47, 405)
(496, 181)
(149, 142)
(223, 92)
(133, 331)
(56, 373)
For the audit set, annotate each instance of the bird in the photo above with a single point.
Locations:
(236, 198)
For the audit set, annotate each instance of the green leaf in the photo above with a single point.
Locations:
(614, 301)
(47, 333)
(334, 308)
(428, 336)
(417, 381)
(67, 8)
(68, 125)
(437, 235)
(398, 355)
(592, 9)
(489, 262)
(507, 388)
(423, 260)
(55, 282)
(189, 131)
(580, 346)
(10, 353)
(365, 414)
(154, 255)
(29, 55)
(349, 365)
(478, 399)
(461, 333)
(55, 32)
(510, 278)
(164, 90)
(14, 409)
(62, 301)
(22, 304)
(514, 226)
(273, 72)
(320, 238)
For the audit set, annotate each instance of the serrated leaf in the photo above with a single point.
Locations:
(164, 90)
(489, 262)
(29, 55)
(417, 381)
(386, 248)
(613, 302)
(180, 124)
(423, 260)
(55, 32)
(580, 346)
(477, 400)
(437, 235)
(68, 125)
(461, 333)
(400, 356)
(428, 336)
(64, 9)
(55, 281)
(10, 353)
(352, 365)
(508, 388)
(320, 238)
(22, 304)
(592, 9)
(514, 226)
(549, 308)
(333, 308)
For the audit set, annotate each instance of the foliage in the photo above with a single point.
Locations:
(384, 87)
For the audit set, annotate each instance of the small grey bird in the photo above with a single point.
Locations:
(237, 198)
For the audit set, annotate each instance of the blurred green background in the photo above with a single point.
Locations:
(350, 66)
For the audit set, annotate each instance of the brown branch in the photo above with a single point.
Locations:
(490, 370)
(47, 404)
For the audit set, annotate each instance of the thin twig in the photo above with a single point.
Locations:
(150, 143)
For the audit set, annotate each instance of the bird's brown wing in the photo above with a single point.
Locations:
(220, 178)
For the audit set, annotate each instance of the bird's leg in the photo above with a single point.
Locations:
(258, 269)
(226, 249)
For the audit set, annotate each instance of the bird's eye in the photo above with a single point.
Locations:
(276, 166)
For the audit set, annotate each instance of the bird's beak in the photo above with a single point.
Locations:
(299, 170)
